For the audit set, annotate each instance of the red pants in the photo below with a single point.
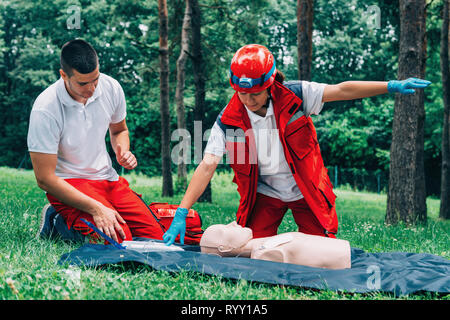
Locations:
(116, 195)
(268, 213)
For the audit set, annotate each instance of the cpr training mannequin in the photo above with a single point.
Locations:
(232, 240)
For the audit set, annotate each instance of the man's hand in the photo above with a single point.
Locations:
(125, 158)
(407, 86)
(107, 221)
(178, 227)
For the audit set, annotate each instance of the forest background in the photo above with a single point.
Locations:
(349, 43)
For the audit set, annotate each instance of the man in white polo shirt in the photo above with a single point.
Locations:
(66, 140)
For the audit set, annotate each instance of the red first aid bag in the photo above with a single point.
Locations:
(165, 213)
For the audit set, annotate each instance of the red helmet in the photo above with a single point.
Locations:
(252, 69)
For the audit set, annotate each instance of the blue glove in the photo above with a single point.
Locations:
(178, 227)
(407, 86)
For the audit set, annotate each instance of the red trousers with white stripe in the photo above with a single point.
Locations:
(117, 195)
(268, 213)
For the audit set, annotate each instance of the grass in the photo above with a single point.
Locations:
(29, 269)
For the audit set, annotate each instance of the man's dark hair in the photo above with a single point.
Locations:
(79, 55)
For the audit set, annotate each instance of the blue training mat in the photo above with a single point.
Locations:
(397, 272)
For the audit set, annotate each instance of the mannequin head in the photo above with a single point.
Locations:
(225, 239)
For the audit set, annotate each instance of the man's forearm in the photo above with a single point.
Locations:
(69, 195)
(122, 138)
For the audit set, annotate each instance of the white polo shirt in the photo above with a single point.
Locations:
(275, 178)
(76, 132)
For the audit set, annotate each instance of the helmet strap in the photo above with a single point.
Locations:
(261, 81)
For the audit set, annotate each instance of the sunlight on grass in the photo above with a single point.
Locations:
(29, 269)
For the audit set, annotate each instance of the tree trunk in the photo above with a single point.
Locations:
(406, 200)
(305, 10)
(199, 79)
(167, 186)
(445, 174)
(179, 93)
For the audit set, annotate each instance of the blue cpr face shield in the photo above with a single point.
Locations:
(248, 83)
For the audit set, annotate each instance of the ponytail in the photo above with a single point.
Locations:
(280, 77)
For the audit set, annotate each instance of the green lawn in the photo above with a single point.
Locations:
(29, 269)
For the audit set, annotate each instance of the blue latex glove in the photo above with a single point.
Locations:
(178, 227)
(407, 86)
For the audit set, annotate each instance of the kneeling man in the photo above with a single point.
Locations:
(66, 140)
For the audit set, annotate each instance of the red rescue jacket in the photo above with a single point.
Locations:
(301, 149)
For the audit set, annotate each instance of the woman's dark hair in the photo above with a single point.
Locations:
(280, 77)
(79, 55)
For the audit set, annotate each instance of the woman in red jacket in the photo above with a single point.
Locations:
(272, 147)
